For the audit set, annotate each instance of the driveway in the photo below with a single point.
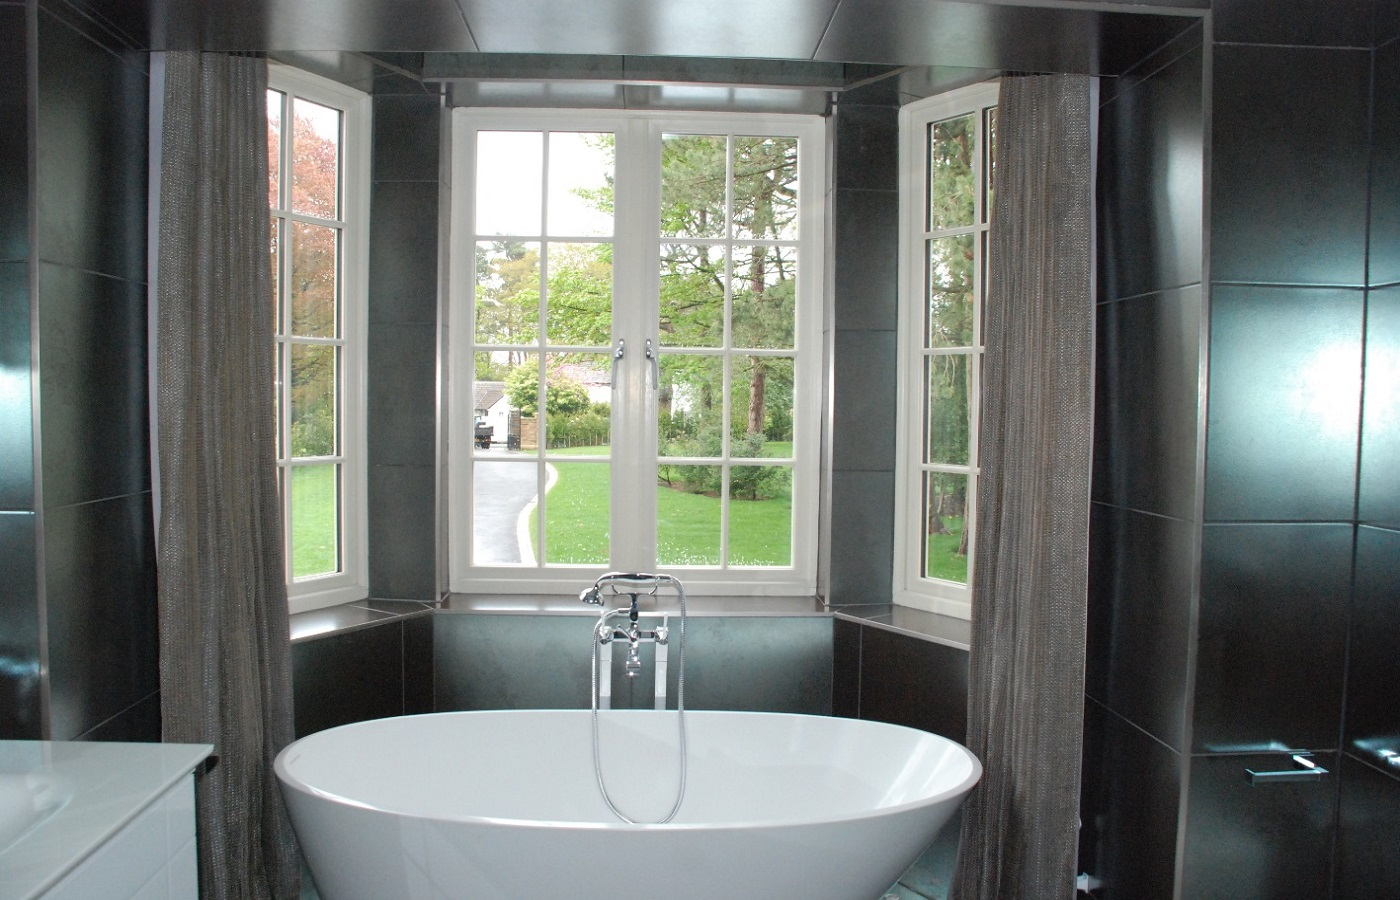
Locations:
(503, 491)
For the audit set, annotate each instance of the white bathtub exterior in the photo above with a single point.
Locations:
(505, 804)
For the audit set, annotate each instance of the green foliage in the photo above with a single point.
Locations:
(563, 395)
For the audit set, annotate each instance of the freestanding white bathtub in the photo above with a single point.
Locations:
(506, 805)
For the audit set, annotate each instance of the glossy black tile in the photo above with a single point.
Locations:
(1131, 787)
(1271, 640)
(1387, 23)
(866, 263)
(1287, 205)
(863, 401)
(1151, 187)
(401, 404)
(1258, 842)
(845, 668)
(1147, 400)
(402, 544)
(16, 401)
(1373, 705)
(1285, 390)
(348, 677)
(908, 681)
(1368, 832)
(418, 664)
(139, 722)
(1385, 165)
(100, 588)
(1379, 500)
(14, 137)
(483, 661)
(867, 148)
(20, 716)
(1141, 576)
(863, 507)
(91, 152)
(403, 253)
(1307, 23)
(754, 663)
(407, 135)
(93, 412)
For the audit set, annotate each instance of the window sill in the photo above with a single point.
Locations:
(353, 616)
(545, 604)
(928, 626)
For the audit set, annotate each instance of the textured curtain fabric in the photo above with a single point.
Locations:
(1029, 593)
(224, 648)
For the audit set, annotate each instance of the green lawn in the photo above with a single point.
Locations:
(942, 560)
(314, 520)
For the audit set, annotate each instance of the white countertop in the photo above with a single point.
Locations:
(97, 788)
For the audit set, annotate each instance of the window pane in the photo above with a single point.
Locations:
(508, 182)
(315, 250)
(315, 159)
(504, 494)
(693, 185)
(315, 514)
(691, 395)
(276, 276)
(507, 292)
(576, 514)
(692, 296)
(765, 188)
(760, 516)
(761, 400)
(313, 431)
(688, 515)
(991, 162)
(580, 184)
(765, 297)
(580, 298)
(579, 404)
(949, 276)
(952, 192)
(947, 409)
(274, 149)
(945, 510)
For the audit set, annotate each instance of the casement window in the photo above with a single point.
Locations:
(635, 333)
(318, 193)
(946, 183)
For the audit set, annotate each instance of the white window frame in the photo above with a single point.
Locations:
(911, 586)
(636, 291)
(351, 582)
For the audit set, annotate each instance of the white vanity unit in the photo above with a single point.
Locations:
(98, 821)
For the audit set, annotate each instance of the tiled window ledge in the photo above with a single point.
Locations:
(946, 630)
(353, 616)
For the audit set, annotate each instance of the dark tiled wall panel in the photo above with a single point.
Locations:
(1385, 156)
(16, 410)
(909, 681)
(349, 677)
(1309, 23)
(1373, 703)
(1380, 425)
(1280, 214)
(1368, 865)
(14, 137)
(20, 715)
(845, 668)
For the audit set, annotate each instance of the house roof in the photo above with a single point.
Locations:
(487, 393)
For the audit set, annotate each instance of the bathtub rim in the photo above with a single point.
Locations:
(957, 790)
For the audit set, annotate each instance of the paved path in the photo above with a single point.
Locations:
(502, 491)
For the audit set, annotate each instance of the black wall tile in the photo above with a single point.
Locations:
(91, 151)
(867, 147)
(845, 668)
(14, 137)
(20, 717)
(93, 392)
(1265, 842)
(403, 253)
(16, 404)
(402, 395)
(406, 137)
(1309, 23)
(1288, 123)
(402, 542)
(1272, 636)
(756, 663)
(1285, 386)
(866, 230)
(1151, 187)
(1385, 162)
(511, 662)
(1379, 500)
(1373, 704)
(1147, 399)
(139, 722)
(862, 504)
(418, 664)
(100, 585)
(1132, 786)
(1140, 590)
(1368, 833)
(348, 677)
(910, 681)
(864, 401)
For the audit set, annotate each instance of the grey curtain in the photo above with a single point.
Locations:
(1029, 594)
(224, 647)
